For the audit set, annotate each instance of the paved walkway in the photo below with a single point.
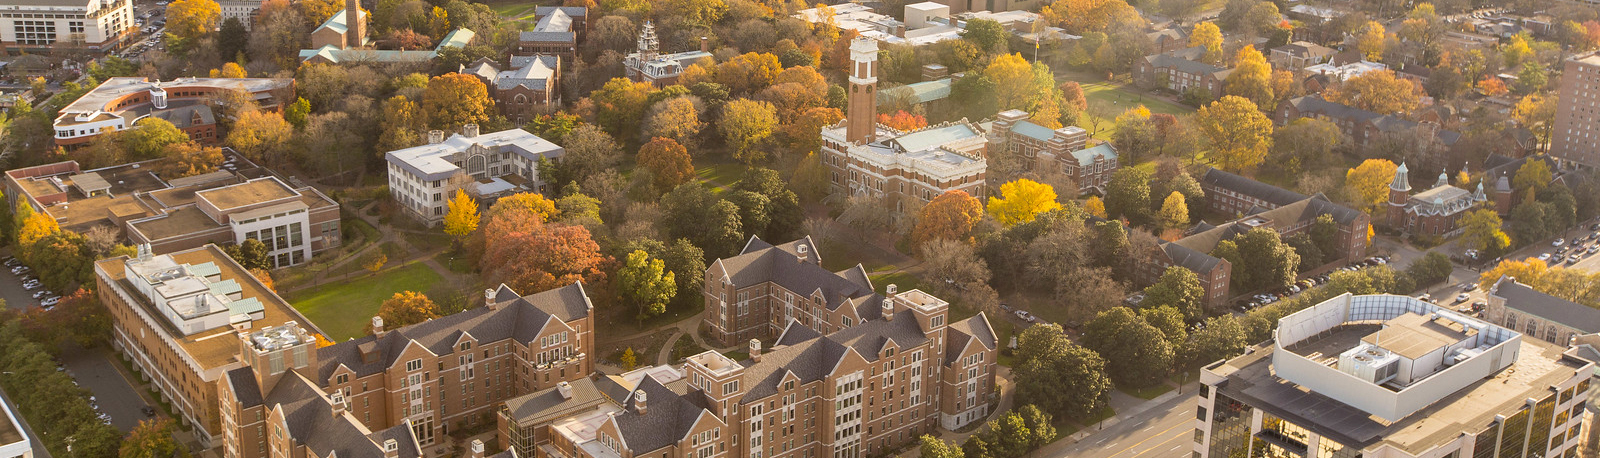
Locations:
(1127, 407)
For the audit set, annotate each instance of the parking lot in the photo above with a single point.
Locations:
(91, 368)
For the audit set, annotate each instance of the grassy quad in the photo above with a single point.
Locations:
(343, 309)
(1123, 100)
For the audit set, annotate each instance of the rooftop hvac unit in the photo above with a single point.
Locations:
(1370, 363)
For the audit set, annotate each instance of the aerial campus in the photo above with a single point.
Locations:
(780, 229)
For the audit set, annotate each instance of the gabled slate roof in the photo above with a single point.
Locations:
(1184, 61)
(782, 264)
(245, 389)
(810, 355)
(522, 319)
(308, 415)
(1525, 299)
(971, 329)
(667, 419)
(1271, 194)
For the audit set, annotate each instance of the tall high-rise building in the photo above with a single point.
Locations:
(1393, 376)
(1576, 136)
(44, 26)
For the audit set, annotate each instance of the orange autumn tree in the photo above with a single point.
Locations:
(1491, 86)
(902, 121)
(950, 216)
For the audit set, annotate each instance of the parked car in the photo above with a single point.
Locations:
(1463, 297)
(1025, 316)
(40, 294)
(1544, 256)
(30, 286)
(50, 301)
(1558, 242)
(148, 411)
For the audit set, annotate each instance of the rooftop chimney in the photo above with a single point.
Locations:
(469, 130)
(755, 350)
(565, 389)
(377, 326)
(800, 252)
(639, 401)
(488, 299)
(435, 137)
(391, 448)
(705, 44)
(477, 448)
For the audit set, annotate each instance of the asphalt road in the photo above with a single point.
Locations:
(1164, 431)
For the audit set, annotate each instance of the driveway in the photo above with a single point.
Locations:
(94, 371)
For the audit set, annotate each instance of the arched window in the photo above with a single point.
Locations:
(519, 99)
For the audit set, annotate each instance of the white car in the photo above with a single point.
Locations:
(1544, 256)
(1025, 316)
(50, 301)
(1558, 242)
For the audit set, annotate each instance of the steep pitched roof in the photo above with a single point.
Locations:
(668, 417)
(549, 404)
(311, 422)
(1307, 209)
(245, 389)
(1240, 184)
(1183, 60)
(971, 329)
(810, 355)
(1527, 300)
(795, 267)
(522, 319)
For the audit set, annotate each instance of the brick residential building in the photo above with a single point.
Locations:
(866, 389)
(1299, 55)
(1179, 71)
(174, 317)
(118, 103)
(1060, 150)
(1365, 128)
(427, 379)
(865, 158)
(1576, 136)
(226, 206)
(1268, 207)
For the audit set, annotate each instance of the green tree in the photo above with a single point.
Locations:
(1179, 288)
(152, 439)
(1260, 260)
(150, 137)
(987, 34)
(1223, 337)
(1532, 177)
(250, 254)
(646, 283)
(1059, 376)
(1482, 231)
(692, 212)
(1009, 436)
(1434, 267)
(745, 124)
(296, 113)
(932, 447)
(1128, 195)
(1038, 423)
(62, 260)
(1136, 353)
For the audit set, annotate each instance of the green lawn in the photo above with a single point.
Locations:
(902, 280)
(1124, 100)
(720, 176)
(343, 309)
(514, 10)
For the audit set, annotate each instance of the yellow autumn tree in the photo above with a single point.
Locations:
(1094, 206)
(1371, 41)
(1207, 35)
(1368, 183)
(1251, 78)
(32, 226)
(462, 218)
(1022, 200)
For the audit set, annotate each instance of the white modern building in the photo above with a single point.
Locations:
(424, 178)
(42, 26)
(1380, 376)
(14, 441)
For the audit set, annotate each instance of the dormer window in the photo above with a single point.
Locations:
(466, 346)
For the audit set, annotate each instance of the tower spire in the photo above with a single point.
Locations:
(647, 42)
(1401, 183)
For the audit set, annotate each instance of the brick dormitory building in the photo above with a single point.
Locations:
(245, 369)
(881, 371)
(1258, 205)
